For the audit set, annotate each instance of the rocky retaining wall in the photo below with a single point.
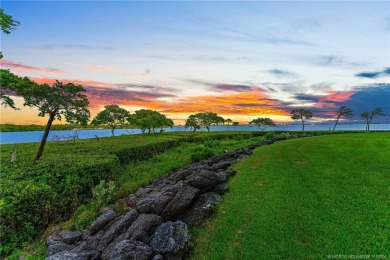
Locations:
(156, 224)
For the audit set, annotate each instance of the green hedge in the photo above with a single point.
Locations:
(34, 195)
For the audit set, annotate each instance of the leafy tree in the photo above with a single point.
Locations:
(343, 111)
(7, 25)
(7, 22)
(301, 114)
(208, 119)
(235, 124)
(193, 123)
(150, 120)
(368, 116)
(10, 84)
(228, 121)
(112, 115)
(57, 101)
(262, 122)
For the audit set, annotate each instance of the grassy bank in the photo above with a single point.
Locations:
(305, 198)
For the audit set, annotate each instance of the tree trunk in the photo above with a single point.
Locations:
(368, 124)
(208, 129)
(338, 117)
(303, 125)
(112, 131)
(44, 137)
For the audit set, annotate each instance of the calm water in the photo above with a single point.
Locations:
(35, 136)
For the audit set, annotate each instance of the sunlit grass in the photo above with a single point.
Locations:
(305, 199)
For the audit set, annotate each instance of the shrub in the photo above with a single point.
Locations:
(201, 153)
(269, 135)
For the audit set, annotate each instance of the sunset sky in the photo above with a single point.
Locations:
(241, 60)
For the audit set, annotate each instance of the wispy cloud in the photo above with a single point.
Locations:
(202, 58)
(282, 73)
(20, 67)
(102, 68)
(334, 60)
(307, 24)
(218, 87)
(73, 46)
(144, 73)
(374, 74)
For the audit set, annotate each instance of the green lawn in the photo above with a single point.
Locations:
(305, 199)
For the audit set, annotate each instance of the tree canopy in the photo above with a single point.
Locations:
(9, 81)
(206, 120)
(262, 122)
(301, 114)
(193, 123)
(57, 101)
(342, 111)
(11, 85)
(7, 22)
(150, 120)
(111, 115)
(369, 115)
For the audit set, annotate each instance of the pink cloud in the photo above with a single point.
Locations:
(20, 67)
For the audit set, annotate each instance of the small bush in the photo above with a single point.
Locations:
(211, 143)
(201, 153)
(270, 135)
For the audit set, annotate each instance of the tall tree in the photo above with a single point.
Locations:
(208, 119)
(262, 122)
(57, 101)
(342, 111)
(235, 124)
(301, 114)
(111, 115)
(193, 123)
(369, 115)
(150, 120)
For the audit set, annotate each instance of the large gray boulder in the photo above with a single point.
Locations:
(202, 179)
(202, 209)
(57, 248)
(179, 203)
(128, 250)
(70, 237)
(103, 220)
(116, 229)
(82, 255)
(171, 240)
(144, 223)
(153, 204)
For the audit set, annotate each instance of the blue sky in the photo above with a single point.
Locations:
(239, 59)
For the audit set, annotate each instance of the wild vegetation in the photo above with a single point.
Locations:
(33, 195)
(301, 199)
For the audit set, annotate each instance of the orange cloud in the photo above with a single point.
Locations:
(76, 82)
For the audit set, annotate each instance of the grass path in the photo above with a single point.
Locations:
(305, 199)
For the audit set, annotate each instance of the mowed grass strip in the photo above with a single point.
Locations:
(305, 199)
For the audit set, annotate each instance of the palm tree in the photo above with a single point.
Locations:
(343, 111)
(368, 116)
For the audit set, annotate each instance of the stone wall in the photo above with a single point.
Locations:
(156, 225)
